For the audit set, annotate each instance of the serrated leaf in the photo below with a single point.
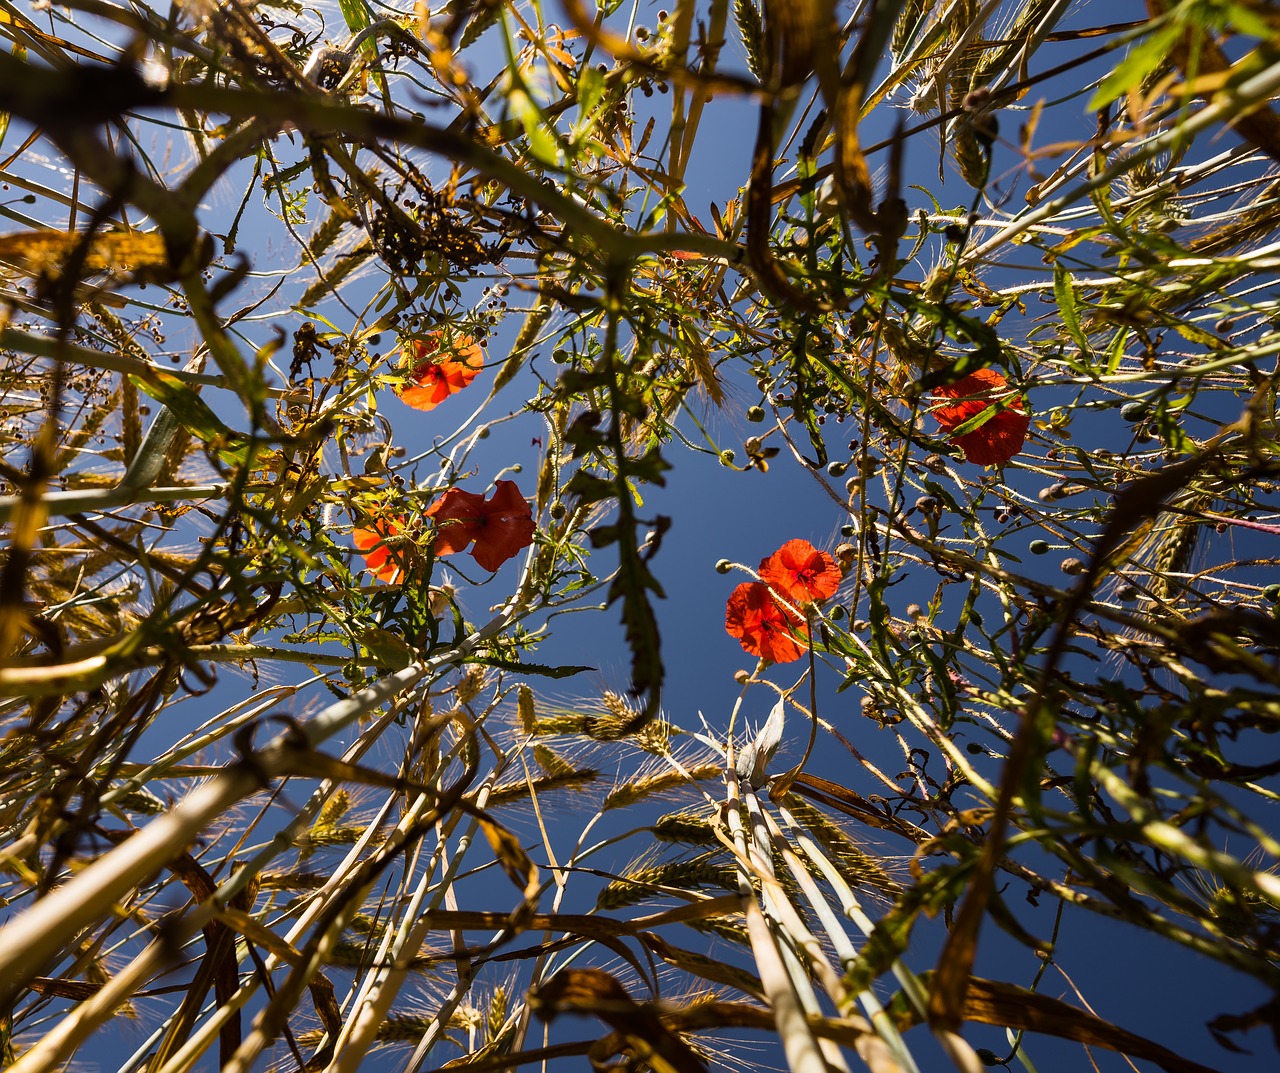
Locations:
(542, 670)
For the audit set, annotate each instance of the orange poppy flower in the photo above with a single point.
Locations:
(800, 573)
(436, 376)
(761, 625)
(501, 526)
(371, 542)
(1003, 431)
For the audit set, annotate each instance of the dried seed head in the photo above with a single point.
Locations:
(473, 681)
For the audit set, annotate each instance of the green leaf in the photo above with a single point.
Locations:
(356, 15)
(591, 91)
(1134, 68)
(194, 415)
(388, 649)
(1065, 296)
(542, 143)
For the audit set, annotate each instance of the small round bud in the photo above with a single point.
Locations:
(723, 566)
(1072, 566)
(935, 464)
(756, 414)
(847, 531)
(557, 510)
(1039, 547)
(914, 610)
(1272, 593)
(741, 677)
(1133, 411)
(838, 469)
(726, 457)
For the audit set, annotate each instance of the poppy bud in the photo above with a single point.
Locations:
(723, 566)
(1072, 566)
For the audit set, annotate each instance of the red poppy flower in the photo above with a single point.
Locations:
(761, 625)
(436, 376)
(800, 573)
(1003, 431)
(501, 527)
(371, 542)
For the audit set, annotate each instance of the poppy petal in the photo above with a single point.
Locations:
(1004, 431)
(507, 529)
(760, 625)
(501, 526)
(371, 542)
(459, 516)
(436, 376)
(800, 573)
